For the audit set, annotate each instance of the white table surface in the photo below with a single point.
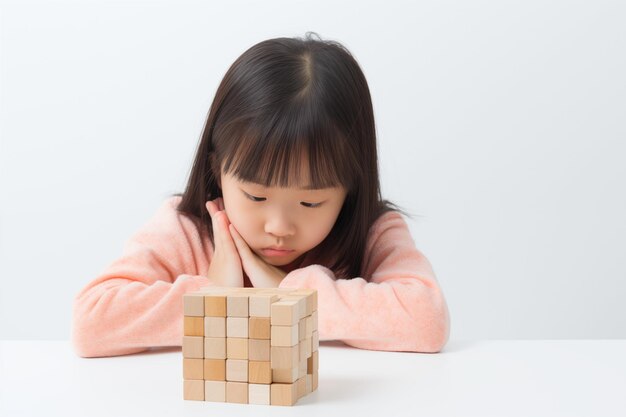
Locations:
(472, 378)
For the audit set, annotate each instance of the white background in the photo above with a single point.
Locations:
(501, 124)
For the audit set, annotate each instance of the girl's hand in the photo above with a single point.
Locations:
(225, 268)
(260, 273)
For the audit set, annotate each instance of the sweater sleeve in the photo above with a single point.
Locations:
(400, 308)
(136, 302)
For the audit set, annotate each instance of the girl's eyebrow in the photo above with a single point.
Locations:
(308, 187)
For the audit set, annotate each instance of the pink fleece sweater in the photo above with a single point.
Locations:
(136, 302)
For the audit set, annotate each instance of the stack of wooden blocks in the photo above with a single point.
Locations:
(250, 345)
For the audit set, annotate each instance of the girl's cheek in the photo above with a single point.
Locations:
(243, 227)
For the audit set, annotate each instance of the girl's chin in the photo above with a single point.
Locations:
(278, 260)
(281, 260)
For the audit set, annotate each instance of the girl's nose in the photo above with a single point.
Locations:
(279, 226)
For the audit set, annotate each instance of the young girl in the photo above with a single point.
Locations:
(283, 192)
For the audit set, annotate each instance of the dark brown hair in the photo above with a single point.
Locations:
(282, 100)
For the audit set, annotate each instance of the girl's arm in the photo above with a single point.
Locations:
(402, 308)
(136, 302)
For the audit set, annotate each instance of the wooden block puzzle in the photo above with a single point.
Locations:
(250, 345)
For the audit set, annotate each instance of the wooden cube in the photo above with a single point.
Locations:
(193, 389)
(215, 305)
(285, 313)
(236, 348)
(288, 376)
(315, 341)
(260, 304)
(301, 387)
(284, 335)
(259, 394)
(193, 305)
(236, 327)
(237, 305)
(302, 329)
(300, 304)
(215, 347)
(310, 297)
(302, 367)
(237, 392)
(215, 369)
(308, 326)
(283, 394)
(258, 350)
(193, 368)
(259, 372)
(193, 347)
(285, 357)
(215, 391)
(237, 370)
(305, 349)
(215, 326)
(259, 328)
(193, 326)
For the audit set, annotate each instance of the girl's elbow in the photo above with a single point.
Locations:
(92, 341)
(83, 348)
(94, 335)
(83, 341)
(434, 343)
(85, 334)
(90, 334)
(439, 334)
(433, 334)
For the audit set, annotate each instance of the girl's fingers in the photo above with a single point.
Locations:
(216, 222)
(214, 206)
(239, 242)
(229, 239)
(221, 225)
(236, 242)
(209, 207)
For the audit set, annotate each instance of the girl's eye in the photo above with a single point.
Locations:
(254, 198)
(259, 199)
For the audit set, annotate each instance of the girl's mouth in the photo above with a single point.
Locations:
(275, 252)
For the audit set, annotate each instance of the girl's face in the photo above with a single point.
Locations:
(289, 218)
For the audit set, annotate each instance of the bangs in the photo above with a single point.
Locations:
(285, 149)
